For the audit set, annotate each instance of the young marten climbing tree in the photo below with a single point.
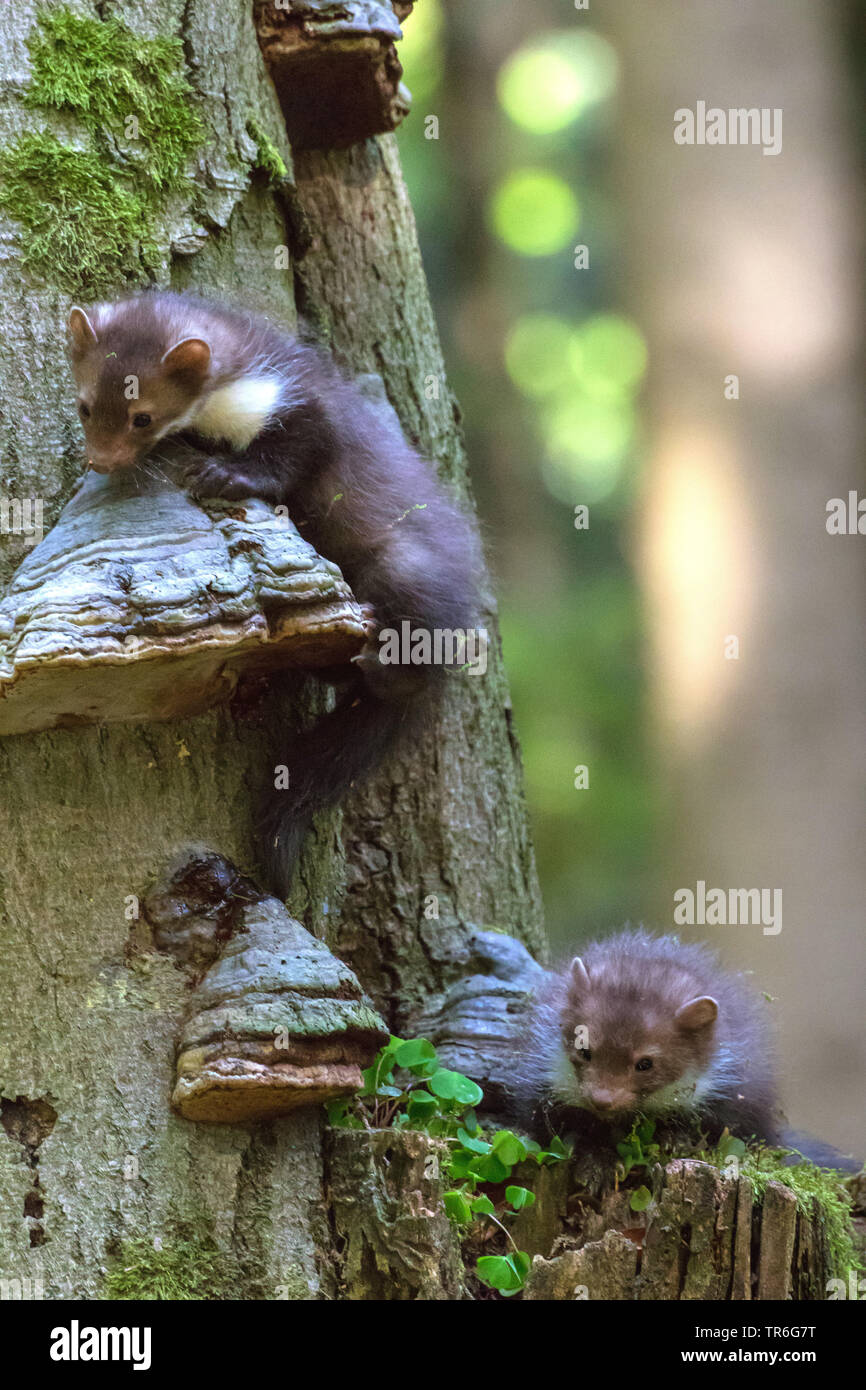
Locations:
(273, 418)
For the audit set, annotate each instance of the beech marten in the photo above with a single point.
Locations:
(649, 1025)
(273, 418)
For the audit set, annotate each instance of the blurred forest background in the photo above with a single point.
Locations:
(604, 385)
(548, 368)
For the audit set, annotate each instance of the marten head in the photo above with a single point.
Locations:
(137, 379)
(634, 1037)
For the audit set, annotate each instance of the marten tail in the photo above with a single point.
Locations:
(341, 749)
(411, 558)
(819, 1152)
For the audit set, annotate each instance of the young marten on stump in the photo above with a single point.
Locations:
(649, 1025)
(285, 426)
(654, 1026)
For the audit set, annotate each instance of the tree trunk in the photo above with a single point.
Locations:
(94, 1164)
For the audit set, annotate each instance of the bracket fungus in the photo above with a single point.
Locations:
(474, 1025)
(275, 1021)
(141, 604)
(278, 1023)
(335, 68)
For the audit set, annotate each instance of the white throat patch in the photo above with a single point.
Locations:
(239, 411)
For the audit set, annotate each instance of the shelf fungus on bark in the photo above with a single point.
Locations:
(335, 68)
(141, 604)
(475, 1023)
(276, 1023)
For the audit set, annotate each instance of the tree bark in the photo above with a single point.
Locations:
(94, 1165)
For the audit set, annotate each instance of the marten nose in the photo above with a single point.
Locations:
(110, 463)
(604, 1099)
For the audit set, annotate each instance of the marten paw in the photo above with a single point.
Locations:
(367, 659)
(371, 623)
(389, 681)
(213, 477)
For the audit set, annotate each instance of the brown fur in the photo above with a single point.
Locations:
(352, 483)
(635, 997)
(125, 348)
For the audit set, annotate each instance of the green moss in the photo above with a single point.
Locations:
(91, 227)
(819, 1192)
(88, 215)
(122, 87)
(181, 1270)
(268, 158)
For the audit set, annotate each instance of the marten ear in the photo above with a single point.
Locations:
(81, 331)
(578, 978)
(191, 357)
(697, 1013)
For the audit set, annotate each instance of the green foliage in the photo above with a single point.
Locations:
(406, 1088)
(730, 1147)
(182, 1269)
(507, 1273)
(637, 1149)
(819, 1192)
(519, 1197)
(268, 158)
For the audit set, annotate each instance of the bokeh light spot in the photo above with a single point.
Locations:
(609, 355)
(421, 51)
(538, 353)
(586, 443)
(547, 84)
(534, 212)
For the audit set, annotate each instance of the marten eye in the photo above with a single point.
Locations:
(643, 1064)
(83, 410)
(141, 422)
